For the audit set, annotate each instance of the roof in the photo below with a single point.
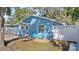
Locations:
(38, 17)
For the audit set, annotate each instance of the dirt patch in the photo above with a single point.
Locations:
(20, 45)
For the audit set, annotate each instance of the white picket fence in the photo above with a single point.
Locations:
(70, 32)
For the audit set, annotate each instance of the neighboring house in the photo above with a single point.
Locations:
(39, 27)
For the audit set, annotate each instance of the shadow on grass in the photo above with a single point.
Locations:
(7, 42)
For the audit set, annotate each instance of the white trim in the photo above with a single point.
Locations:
(25, 23)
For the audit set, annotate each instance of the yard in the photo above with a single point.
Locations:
(27, 45)
(31, 46)
(13, 43)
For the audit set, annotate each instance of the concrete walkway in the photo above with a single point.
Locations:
(8, 37)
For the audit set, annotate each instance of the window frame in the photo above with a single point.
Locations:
(25, 25)
(40, 31)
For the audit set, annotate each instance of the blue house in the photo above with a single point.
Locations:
(38, 27)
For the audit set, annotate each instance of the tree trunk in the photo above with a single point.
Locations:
(2, 13)
(1, 32)
(2, 37)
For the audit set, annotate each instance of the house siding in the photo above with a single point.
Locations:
(35, 22)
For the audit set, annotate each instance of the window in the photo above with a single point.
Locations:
(41, 28)
(25, 26)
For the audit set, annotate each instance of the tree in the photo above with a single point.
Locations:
(1, 31)
(22, 13)
(71, 15)
(3, 10)
(74, 12)
(52, 12)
